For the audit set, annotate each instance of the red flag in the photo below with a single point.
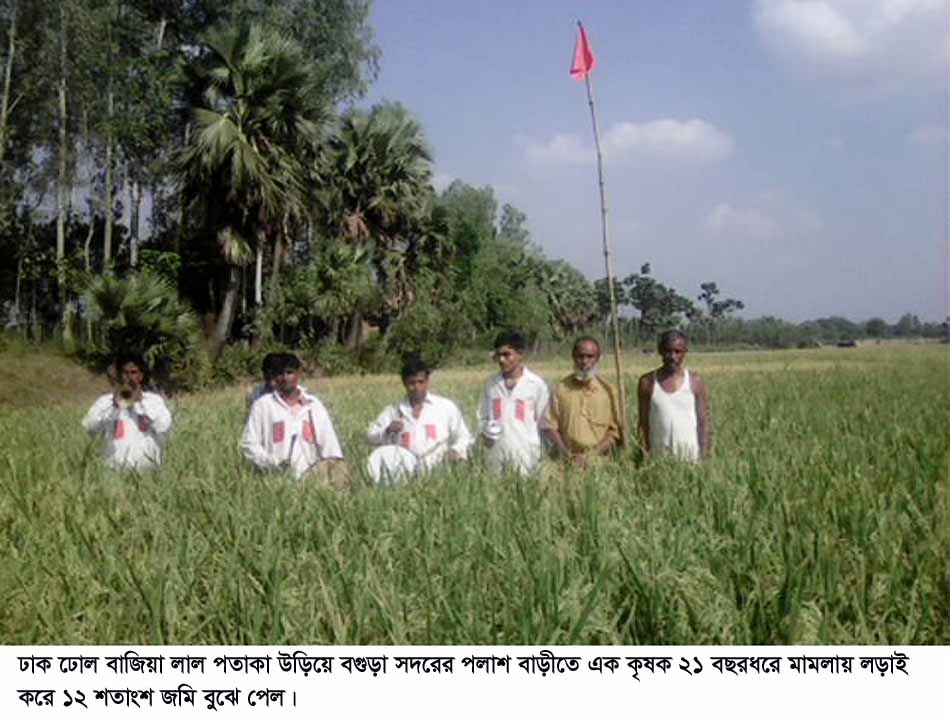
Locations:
(584, 60)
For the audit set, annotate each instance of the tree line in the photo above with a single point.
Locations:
(192, 178)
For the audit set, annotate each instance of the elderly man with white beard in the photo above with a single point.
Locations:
(583, 418)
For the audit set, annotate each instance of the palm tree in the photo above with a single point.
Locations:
(571, 297)
(375, 188)
(255, 115)
(143, 313)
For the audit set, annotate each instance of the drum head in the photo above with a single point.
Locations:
(390, 464)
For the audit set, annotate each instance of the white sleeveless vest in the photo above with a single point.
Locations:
(673, 424)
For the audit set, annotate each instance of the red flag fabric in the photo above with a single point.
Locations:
(584, 60)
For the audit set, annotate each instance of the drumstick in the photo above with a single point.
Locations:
(293, 441)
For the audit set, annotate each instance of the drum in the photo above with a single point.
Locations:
(391, 464)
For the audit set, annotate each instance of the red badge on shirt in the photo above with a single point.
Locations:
(144, 424)
(430, 432)
(308, 433)
(405, 440)
(496, 408)
(119, 429)
(278, 431)
(520, 410)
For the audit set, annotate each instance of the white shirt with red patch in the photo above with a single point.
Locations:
(517, 411)
(439, 428)
(301, 434)
(133, 435)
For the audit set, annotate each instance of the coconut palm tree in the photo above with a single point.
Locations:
(255, 116)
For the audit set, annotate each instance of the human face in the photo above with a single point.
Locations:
(286, 382)
(586, 356)
(417, 386)
(674, 354)
(509, 360)
(131, 376)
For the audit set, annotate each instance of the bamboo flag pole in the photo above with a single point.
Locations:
(584, 62)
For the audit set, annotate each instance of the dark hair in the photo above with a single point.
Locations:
(271, 364)
(124, 358)
(668, 336)
(512, 338)
(413, 365)
(585, 339)
(286, 361)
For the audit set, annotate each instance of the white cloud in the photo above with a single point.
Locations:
(880, 41)
(815, 28)
(928, 136)
(560, 150)
(692, 139)
(745, 222)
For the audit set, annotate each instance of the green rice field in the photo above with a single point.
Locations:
(824, 518)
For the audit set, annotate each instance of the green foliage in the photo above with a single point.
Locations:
(240, 362)
(505, 291)
(254, 108)
(257, 116)
(571, 298)
(317, 299)
(335, 35)
(332, 359)
(166, 265)
(143, 313)
(660, 307)
(428, 328)
(373, 357)
(470, 224)
(373, 180)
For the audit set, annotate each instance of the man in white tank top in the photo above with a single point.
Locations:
(673, 405)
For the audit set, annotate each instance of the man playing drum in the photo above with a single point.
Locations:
(425, 427)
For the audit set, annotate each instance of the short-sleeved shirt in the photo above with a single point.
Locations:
(583, 413)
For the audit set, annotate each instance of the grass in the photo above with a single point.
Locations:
(824, 518)
(31, 378)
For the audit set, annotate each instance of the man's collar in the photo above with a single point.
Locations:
(525, 374)
(305, 397)
(406, 405)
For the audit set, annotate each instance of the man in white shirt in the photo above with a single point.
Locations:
(427, 425)
(132, 422)
(290, 429)
(513, 402)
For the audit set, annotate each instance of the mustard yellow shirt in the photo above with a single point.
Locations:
(583, 413)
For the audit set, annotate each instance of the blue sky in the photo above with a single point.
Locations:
(793, 151)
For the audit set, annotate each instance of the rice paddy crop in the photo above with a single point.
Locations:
(824, 518)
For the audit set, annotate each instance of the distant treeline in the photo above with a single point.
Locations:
(179, 179)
